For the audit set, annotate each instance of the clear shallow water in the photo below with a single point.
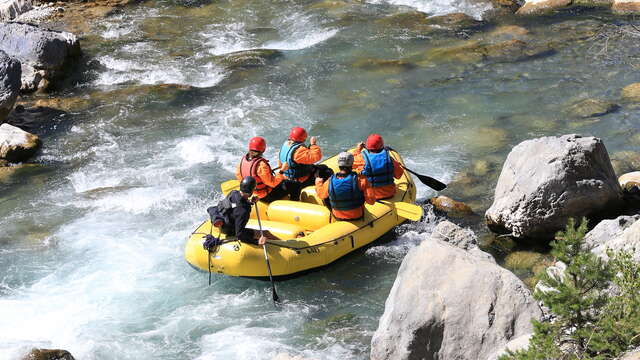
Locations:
(92, 239)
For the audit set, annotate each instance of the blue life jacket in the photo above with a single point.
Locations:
(378, 167)
(344, 193)
(295, 170)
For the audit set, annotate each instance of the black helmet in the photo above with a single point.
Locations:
(247, 185)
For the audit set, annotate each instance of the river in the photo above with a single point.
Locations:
(92, 239)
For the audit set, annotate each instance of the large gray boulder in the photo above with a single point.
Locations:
(548, 180)
(44, 54)
(449, 303)
(622, 233)
(17, 145)
(9, 83)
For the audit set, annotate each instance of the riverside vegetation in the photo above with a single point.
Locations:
(129, 139)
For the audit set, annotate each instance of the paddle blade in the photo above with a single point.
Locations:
(229, 185)
(276, 299)
(408, 211)
(431, 182)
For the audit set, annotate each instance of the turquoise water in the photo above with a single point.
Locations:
(92, 237)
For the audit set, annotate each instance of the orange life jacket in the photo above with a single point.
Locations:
(250, 168)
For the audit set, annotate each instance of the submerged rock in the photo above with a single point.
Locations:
(17, 145)
(249, 58)
(537, 7)
(465, 312)
(625, 161)
(622, 233)
(591, 108)
(475, 51)
(548, 180)
(631, 92)
(383, 65)
(419, 22)
(44, 54)
(10, 73)
(48, 354)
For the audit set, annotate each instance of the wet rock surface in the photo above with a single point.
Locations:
(48, 354)
(249, 58)
(546, 181)
(450, 207)
(427, 318)
(10, 73)
(538, 7)
(592, 108)
(17, 145)
(44, 54)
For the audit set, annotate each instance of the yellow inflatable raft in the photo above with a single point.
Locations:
(305, 235)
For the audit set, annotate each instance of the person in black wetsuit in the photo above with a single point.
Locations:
(232, 213)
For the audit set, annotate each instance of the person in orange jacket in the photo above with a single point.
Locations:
(374, 161)
(299, 157)
(269, 187)
(347, 191)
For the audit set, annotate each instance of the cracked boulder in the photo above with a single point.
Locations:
(452, 301)
(548, 180)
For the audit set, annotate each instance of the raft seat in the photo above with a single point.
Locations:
(308, 216)
(308, 195)
(278, 229)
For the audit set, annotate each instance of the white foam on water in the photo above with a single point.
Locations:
(196, 150)
(473, 8)
(301, 41)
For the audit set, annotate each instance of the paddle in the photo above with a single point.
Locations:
(408, 211)
(427, 180)
(266, 258)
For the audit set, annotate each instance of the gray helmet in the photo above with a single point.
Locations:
(345, 159)
(247, 185)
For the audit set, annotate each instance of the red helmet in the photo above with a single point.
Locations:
(374, 142)
(298, 134)
(257, 144)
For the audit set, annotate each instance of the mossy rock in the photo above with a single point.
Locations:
(383, 65)
(249, 58)
(522, 260)
(625, 161)
(420, 22)
(592, 108)
(163, 92)
(475, 51)
(48, 354)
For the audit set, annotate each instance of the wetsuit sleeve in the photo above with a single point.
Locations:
(397, 169)
(308, 156)
(369, 194)
(322, 190)
(241, 216)
(264, 171)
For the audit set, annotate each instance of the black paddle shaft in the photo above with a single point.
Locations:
(266, 258)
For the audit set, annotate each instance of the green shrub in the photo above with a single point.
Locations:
(595, 304)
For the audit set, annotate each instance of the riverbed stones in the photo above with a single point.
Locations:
(625, 161)
(249, 58)
(419, 22)
(631, 92)
(621, 233)
(44, 54)
(11, 9)
(467, 314)
(386, 66)
(474, 51)
(537, 7)
(48, 354)
(17, 145)
(450, 207)
(10, 72)
(626, 6)
(592, 108)
(548, 180)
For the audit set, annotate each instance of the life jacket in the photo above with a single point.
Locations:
(344, 193)
(295, 170)
(250, 168)
(378, 167)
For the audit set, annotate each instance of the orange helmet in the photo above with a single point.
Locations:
(257, 144)
(374, 142)
(298, 134)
